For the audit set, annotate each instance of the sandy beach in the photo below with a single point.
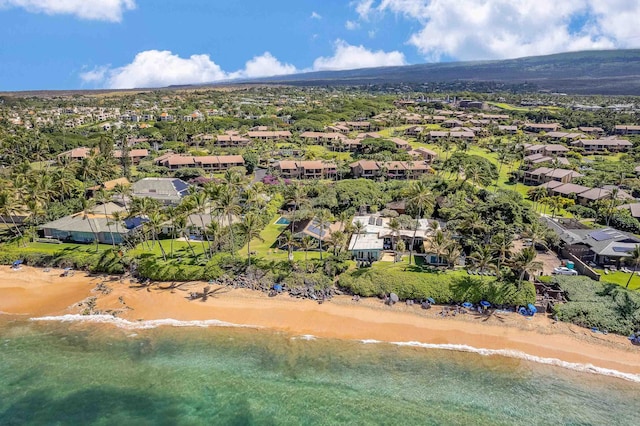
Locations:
(31, 292)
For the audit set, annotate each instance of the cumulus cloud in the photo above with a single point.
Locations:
(483, 29)
(265, 65)
(155, 68)
(347, 57)
(351, 25)
(100, 10)
(315, 15)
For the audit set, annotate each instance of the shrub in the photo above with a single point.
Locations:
(602, 305)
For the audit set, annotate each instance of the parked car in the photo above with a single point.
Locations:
(563, 270)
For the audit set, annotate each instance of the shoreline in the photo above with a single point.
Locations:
(34, 293)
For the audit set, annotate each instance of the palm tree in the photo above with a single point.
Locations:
(483, 258)
(439, 243)
(306, 243)
(296, 195)
(180, 223)
(87, 207)
(452, 253)
(290, 241)
(199, 205)
(634, 259)
(536, 194)
(323, 218)
(395, 226)
(8, 205)
(103, 197)
(501, 245)
(525, 262)
(250, 228)
(155, 222)
(337, 240)
(422, 199)
(228, 206)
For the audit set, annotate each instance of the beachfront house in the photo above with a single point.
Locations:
(168, 191)
(96, 224)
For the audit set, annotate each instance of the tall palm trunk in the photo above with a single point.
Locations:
(233, 244)
(413, 237)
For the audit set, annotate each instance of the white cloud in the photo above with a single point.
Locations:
(154, 68)
(364, 8)
(95, 75)
(315, 15)
(483, 29)
(265, 65)
(100, 10)
(347, 57)
(351, 25)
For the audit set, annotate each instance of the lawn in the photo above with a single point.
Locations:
(53, 249)
(507, 107)
(322, 152)
(620, 278)
(268, 248)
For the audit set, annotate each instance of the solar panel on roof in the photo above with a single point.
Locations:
(379, 221)
(180, 185)
(601, 235)
(372, 220)
(315, 230)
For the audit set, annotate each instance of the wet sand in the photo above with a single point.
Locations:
(33, 292)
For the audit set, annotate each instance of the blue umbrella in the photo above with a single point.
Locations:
(485, 304)
(532, 309)
(277, 287)
(430, 300)
(18, 262)
(68, 269)
(467, 305)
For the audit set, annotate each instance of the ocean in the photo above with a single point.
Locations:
(81, 373)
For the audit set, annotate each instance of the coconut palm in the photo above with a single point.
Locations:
(250, 229)
(156, 219)
(289, 240)
(536, 194)
(634, 260)
(182, 229)
(501, 245)
(524, 262)
(228, 206)
(483, 258)
(306, 243)
(337, 240)
(422, 199)
(395, 226)
(103, 196)
(323, 219)
(87, 206)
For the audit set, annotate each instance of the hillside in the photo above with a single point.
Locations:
(588, 72)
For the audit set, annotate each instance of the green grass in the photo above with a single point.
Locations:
(322, 152)
(507, 107)
(267, 249)
(620, 278)
(53, 249)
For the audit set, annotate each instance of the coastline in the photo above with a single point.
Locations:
(32, 293)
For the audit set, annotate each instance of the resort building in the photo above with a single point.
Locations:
(546, 174)
(603, 145)
(306, 169)
(370, 169)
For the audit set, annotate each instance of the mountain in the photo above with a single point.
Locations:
(609, 72)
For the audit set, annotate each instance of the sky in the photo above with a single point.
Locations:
(88, 44)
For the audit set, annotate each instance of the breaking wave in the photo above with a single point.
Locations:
(139, 325)
(583, 368)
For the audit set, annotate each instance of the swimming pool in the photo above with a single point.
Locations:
(283, 221)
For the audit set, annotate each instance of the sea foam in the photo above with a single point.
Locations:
(139, 325)
(583, 368)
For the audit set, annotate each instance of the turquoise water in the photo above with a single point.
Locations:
(65, 373)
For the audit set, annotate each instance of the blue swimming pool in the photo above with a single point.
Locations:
(283, 221)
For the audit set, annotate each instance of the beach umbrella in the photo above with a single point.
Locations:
(430, 300)
(277, 287)
(532, 309)
(394, 298)
(17, 262)
(485, 304)
(467, 305)
(68, 269)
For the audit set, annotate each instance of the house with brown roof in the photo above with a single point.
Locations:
(210, 163)
(592, 131)
(508, 130)
(414, 131)
(603, 193)
(541, 127)
(633, 209)
(313, 169)
(424, 153)
(401, 144)
(546, 174)
(76, 154)
(266, 135)
(231, 141)
(136, 155)
(541, 158)
(370, 169)
(626, 130)
(560, 136)
(603, 145)
(321, 137)
(568, 189)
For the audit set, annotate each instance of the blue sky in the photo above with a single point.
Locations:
(67, 44)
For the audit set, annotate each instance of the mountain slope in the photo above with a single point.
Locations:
(588, 72)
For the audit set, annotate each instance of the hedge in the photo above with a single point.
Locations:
(442, 287)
